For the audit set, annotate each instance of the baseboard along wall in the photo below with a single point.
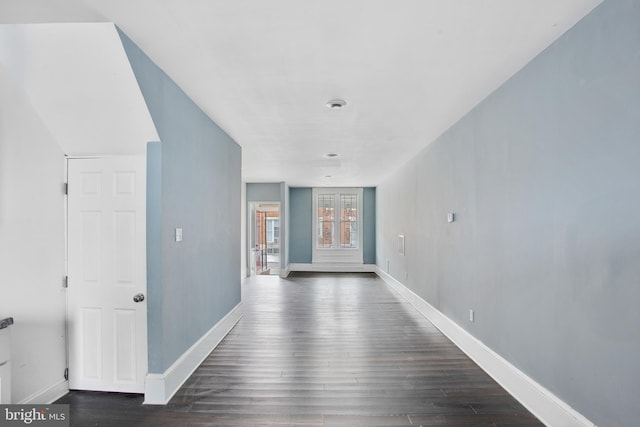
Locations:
(545, 405)
(333, 267)
(160, 388)
(47, 395)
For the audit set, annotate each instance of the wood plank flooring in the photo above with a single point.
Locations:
(322, 350)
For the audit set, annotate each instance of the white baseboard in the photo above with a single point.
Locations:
(333, 267)
(47, 395)
(284, 272)
(160, 388)
(545, 405)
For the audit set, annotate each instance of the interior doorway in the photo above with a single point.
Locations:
(265, 238)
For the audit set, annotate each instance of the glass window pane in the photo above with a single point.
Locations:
(348, 221)
(326, 216)
(325, 234)
(325, 207)
(269, 230)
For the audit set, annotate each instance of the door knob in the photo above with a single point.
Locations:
(138, 298)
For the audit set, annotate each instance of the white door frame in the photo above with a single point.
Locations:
(252, 207)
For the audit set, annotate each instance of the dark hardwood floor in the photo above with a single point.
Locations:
(322, 350)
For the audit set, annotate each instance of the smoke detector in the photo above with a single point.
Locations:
(336, 104)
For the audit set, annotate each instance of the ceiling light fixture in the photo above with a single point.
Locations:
(332, 155)
(336, 104)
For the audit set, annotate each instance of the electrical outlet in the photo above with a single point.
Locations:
(178, 234)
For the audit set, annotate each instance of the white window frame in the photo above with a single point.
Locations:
(271, 229)
(337, 255)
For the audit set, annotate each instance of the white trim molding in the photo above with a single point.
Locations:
(330, 267)
(284, 272)
(160, 388)
(542, 403)
(47, 395)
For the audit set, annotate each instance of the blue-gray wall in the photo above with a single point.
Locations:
(284, 230)
(263, 192)
(194, 183)
(155, 296)
(301, 218)
(369, 225)
(543, 177)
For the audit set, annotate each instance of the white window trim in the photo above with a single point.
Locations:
(271, 229)
(337, 255)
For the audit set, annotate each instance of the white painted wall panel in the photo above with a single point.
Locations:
(80, 83)
(31, 247)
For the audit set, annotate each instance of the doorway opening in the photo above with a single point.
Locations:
(266, 239)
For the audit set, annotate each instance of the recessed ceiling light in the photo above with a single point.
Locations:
(332, 155)
(336, 103)
(327, 176)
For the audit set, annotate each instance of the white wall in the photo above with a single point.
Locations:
(32, 264)
(48, 107)
(80, 83)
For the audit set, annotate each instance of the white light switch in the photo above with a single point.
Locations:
(450, 217)
(178, 234)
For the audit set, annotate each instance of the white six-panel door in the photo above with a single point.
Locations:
(107, 271)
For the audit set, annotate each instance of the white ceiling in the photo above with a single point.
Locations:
(264, 69)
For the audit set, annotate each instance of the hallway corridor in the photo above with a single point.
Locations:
(323, 350)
